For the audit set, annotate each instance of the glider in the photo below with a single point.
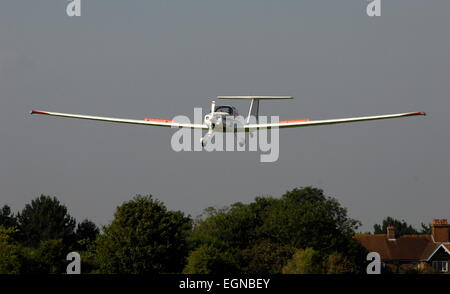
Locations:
(224, 118)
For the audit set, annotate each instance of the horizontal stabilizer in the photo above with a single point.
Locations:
(255, 97)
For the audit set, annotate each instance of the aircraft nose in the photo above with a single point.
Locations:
(216, 119)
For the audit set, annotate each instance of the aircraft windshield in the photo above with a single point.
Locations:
(227, 109)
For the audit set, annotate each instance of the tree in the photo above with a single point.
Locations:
(400, 227)
(50, 257)
(10, 253)
(302, 218)
(45, 219)
(144, 237)
(310, 261)
(7, 218)
(425, 229)
(338, 263)
(305, 218)
(86, 233)
(305, 261)
(265, 257)
(210, 260)
(87, 230)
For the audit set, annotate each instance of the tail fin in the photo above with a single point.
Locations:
(254, 105)
(255, 97)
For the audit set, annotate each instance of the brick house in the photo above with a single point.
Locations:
(407, 252)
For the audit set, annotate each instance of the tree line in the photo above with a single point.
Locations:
(303, 231)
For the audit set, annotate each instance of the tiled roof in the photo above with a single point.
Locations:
(406, 247)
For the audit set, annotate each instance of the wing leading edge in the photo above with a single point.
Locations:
(307, 123)
(146, 121)
(281, 124)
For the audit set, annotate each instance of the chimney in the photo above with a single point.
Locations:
(390, 232)
(439, 230)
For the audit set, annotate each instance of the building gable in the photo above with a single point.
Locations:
(440, 253)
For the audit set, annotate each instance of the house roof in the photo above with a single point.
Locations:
(406, 247)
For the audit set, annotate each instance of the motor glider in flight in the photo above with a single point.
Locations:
(225, 118)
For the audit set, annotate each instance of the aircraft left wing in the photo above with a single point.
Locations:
(307, 122)
(146, 121)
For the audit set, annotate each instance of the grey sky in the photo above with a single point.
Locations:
(136, 59)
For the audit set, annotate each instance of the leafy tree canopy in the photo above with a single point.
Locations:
(87, 230)
(338, 263)
(265, 257)
(50, 257)
(210, 260)
(10, 253)
(86, 234)
(305, 261)
(7, 218)
(44, 219)
(302, 218)
(144, 237)
(400, 227)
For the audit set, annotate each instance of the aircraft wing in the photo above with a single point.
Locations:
(145, 121)
(307, 122)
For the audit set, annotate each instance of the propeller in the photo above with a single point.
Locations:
(212, 125)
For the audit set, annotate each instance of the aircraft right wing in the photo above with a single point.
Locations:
(307, 122)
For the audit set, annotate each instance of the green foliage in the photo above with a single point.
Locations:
(10, 253)
(87, 230)
(263, 234)
(210, 260)
(228, 228)
(400, 227)
(10, 261)
(50, 257)
(7, 218)
(338, 263)
(45, 219)
(86, 233)
(310, 261)
(144, 237)
(265, 257)
(88, 260)
(306, 218)
(6, 233)
(302, 232)
(305, 261)
(425, 229)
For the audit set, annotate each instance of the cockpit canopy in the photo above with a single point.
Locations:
(230, 110)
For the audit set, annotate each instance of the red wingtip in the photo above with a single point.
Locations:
(38, 112)
(415, 113)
